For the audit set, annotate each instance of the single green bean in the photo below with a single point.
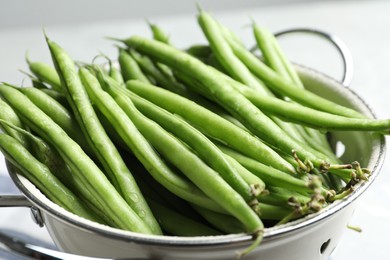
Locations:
(45, 73)
(130, 68)
(200, 51)
(159, 34)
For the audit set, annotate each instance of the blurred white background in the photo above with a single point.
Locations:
(79, 26)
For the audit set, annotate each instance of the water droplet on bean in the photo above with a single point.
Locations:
(134, 197)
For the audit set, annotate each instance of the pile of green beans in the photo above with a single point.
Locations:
(208, 140)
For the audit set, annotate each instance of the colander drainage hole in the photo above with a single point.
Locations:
(324, 246)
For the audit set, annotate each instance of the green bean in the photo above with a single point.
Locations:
(9, 115)
(152, 189)
(58, 96)
(253, 180)
(130, 68)
(45, 73)
(144, 152)
(235, 68)
(278, 61)
(41, 176)
(179, 225)
(311, 117)
(223, 222)
(200, 51)
(114, 205)
(269, 175)
(46, 154)
(281, 197)
(158, 33)
(151, 69)
(272, 212)
(272, 58)
(286, 88)
(108, 155)
(103, 192)
(168, 81)
(204, 148)
(190, 164)
(225, 55)
(211, 124)
(60, 115)
(284, 64)
(114, 72)
(288, 128)
(213, 82)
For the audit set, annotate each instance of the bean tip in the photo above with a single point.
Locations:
(113, 39)
(198, 7)
(45, 34)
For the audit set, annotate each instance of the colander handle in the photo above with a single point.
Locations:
(341, 47)
(14, 201)
(19, 200)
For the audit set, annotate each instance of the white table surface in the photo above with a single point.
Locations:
(363, 25)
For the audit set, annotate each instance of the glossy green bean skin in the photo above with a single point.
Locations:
(266, 45)
(158, 33)
(106, 151)
(41, 176)
(145, 153)
(151, 69)
(224, 94)
(204, 148)
(211, 124)
(196, 170)
(49, 156)
(286, 88)
(60, 114)
(130, 68)
(313, 118)
(121, 215)
(45, 73)
(222, 51)
(267, 174)
(10, 116)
